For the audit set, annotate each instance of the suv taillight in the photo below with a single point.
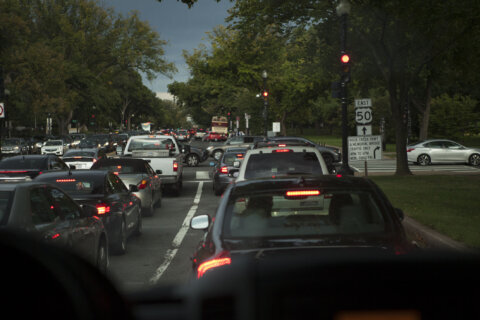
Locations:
(224, 170)
(222, 259)
(102, 208)
(142, 184)
(175, 166)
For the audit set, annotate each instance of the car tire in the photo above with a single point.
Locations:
(217, 154)
(102, 256)
(192, 160)
(120, 246)
(474, 159)
(424, 160)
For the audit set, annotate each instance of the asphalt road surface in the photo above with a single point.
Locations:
(162, 254)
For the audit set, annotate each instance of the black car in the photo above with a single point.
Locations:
(117, 206)
(221, 175)
(270, 217)
(30, 165)
(49, 214)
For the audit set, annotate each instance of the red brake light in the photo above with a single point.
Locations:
(410, 149)
(283, 150)
(338, 175)
(77, 157)
(282, 145)
(240, 156)
(56, 235)
(220, 260)
(224, 170)
(65, 180)
(303, 193)
(175, 166)
(102, 208)
(142, 185)
(14, 171)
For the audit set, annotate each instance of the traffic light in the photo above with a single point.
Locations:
(345, 60)
(265, 94)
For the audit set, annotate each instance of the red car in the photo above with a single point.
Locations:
(214, 136)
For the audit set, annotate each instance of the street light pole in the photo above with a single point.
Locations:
(265, 103)
(343, 10)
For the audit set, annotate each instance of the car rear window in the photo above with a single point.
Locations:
(283, 163)
(230, 158)
(330, 212)
(5, 203)
(77, 185)
(149, 144)
(88, 154)
(23, 163)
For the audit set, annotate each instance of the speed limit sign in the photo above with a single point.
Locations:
(363, 115)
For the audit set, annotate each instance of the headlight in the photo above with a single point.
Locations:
(16, 148)
(209, 148)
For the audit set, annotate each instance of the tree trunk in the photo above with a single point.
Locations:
(397, 106)
(426, 112)
(63, 123)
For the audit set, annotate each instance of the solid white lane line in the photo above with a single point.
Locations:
(177, 241)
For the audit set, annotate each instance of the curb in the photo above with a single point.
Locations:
(428, 238)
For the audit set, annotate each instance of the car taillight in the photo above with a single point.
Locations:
(410, 149)
(302, 193)
(102, 208)
(175, 166)
(65, 180)
(224, 170)
(282, 145)
(240, 156)
(142, 185)
(283, 150)
(220, 260)
(14, 171)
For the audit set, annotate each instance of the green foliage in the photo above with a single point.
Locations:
(453, 117)
(65, 57)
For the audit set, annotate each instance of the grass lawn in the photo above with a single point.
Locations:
(449, 204)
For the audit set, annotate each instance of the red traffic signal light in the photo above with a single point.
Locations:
(265, 94)
(345, 58)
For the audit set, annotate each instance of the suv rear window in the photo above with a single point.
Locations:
(278, 164)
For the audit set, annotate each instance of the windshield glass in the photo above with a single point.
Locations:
(23, 163)
(78, 185)
(284, 163)
(330, 213)
(54, 143)
(150, 144)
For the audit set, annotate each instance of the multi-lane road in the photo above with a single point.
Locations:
(162, 254)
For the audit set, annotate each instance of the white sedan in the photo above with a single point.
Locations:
(442, 151)
(56, 147)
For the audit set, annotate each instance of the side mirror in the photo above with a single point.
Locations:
(158, 171)
(400, 214)
(133, 188)
(201, 222)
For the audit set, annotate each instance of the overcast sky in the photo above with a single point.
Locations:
(183, 28)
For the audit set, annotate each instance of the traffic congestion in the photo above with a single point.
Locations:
(242, 159)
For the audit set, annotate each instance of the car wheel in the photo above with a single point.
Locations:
(423, 160)
(217, 154)
(192, 160)
(102, 256)
(120, 246)
(474, 159)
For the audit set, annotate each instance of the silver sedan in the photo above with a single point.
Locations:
(442, 151)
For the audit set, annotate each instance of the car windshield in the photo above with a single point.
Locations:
(84, 154)
(53, 143)
(282, 163)
(23, 163)
(375, 85)
(329, 213)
